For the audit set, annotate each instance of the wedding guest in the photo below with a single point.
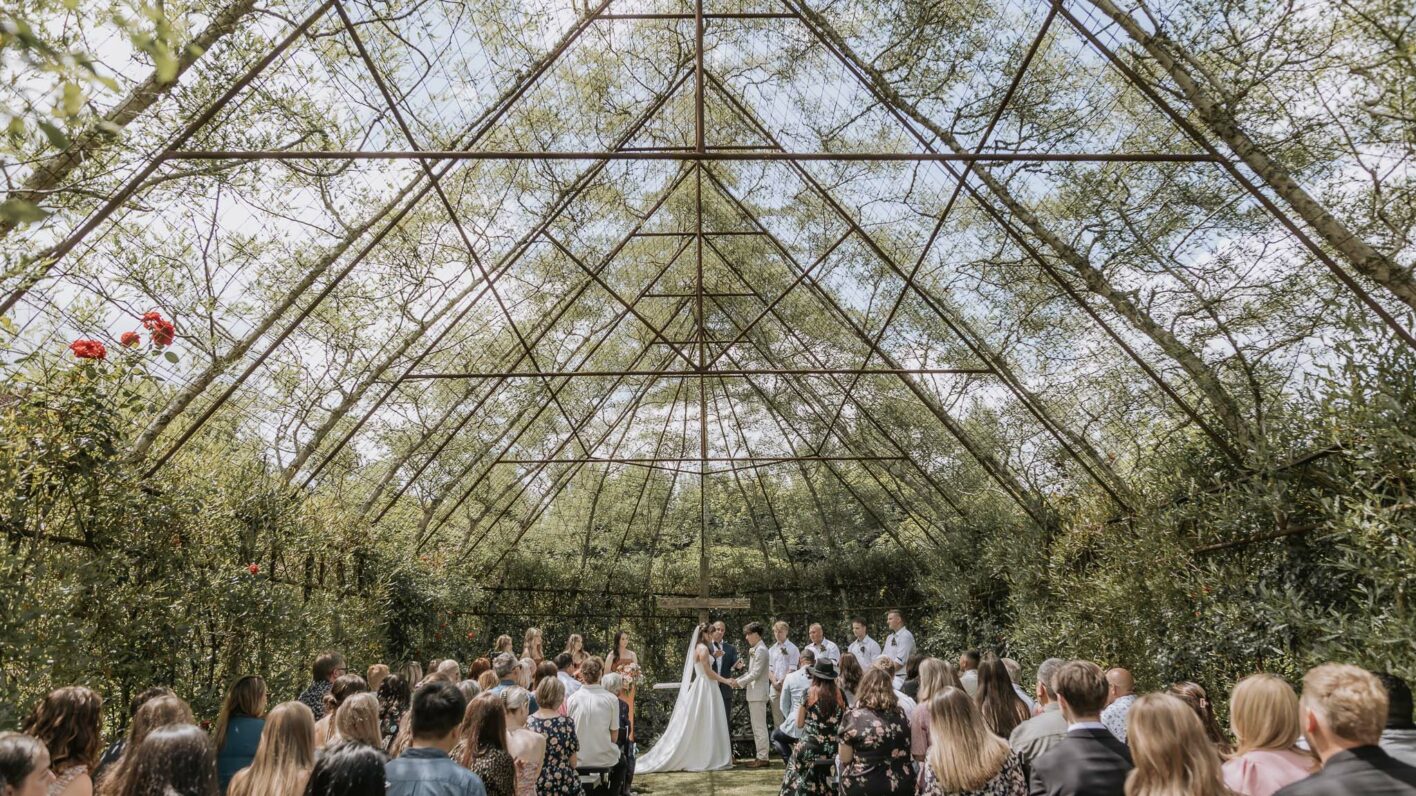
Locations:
(824, 648)
(352, 769)
(115, 749)
(1194, 696)
(474, 671)
(394, 697)
(412, 674)
(575, 645)
(968, 758)
(794, 689)
(558, 777)
(1399, 737)
(523, 671)
(862, 646)
(470, 690)
(238, 728)
(375, 675)
(155, 713)
(851, 672)
(24, 765)
(358, 720)
(527, 748)
(69, 723)
(531, 645)
(910, 687)
(567, 669)
(1120, 695)
(819, 721)
(488, 680)
(934, 676)
(451, 669)
(1089, 761)
(503, 644)
(1263, 715)
(505, 665)
(175, 760)
(1342, 711)
(900, 644)
(595, 712)
(425, 768)
(1015, 673)
(328, 666)
(784, 658)
(1041, 732)
(969, 661)
(1171, 751)
(344, 686)
(874, 745)
(284, 757)
(614, 684)
(482, 748)
(889, 665)
(1001, 708)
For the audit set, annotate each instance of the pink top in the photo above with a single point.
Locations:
(1263, 771)
(919, 733)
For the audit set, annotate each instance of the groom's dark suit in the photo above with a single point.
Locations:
(723, 665)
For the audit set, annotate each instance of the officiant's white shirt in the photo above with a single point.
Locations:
(865, 650)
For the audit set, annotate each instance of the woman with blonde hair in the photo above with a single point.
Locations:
(69, 723)
(935, 675)
(1263, 715)
(375, 676)
(527, 748)
(238, 728)
(966, 756)
(488, 680)
(1172, 752)
(503, 644)
(345, 686)
(284, 757)
(358, 720)
(155, 714)
(575, 645)
(531, 645)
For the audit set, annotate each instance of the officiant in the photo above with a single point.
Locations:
(725, 659)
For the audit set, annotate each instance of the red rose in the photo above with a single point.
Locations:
(151, 318)
(254, 569)
(471, 634)
(163, 333)
(129, 339)
(88, 349)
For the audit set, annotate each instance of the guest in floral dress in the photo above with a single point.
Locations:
(965, 758)
(482, 745)
(819, 719)
(558, 777)
(875, 741)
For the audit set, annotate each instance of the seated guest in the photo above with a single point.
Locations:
(566, 671)
(558, 777)
(967, 757)
(875, 741)
(851, 672)
(345, 686)
(1342, 711)
(1041, 732)
(474, 671)
(910, 687)
(614, 683)
(358, 720)
(176, 760)
(1263, 714)
(1089, 761)
(794, 688)
(1171, 750)
(328, 666)
(505, 666)
(426, 767)
(375, 676)
(934, 676)
(596, 714)
(155, 713)
(451, 669)
(238, 728)
(482, 748)
(394, 698)
(24, 766)
(488, 680)
(284, 757)
(968, 671)
(526, 747)
(1399, 737)
(69, 722)
(1001, 708)
(890, 666)
(1015, 673)
(353, 769)
(470, 690)
(819, 720)
(1120, 695)
(115, 749)
(1193, 694)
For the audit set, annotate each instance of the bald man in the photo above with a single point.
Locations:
(1120, 694)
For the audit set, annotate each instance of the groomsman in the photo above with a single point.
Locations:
(725, 657)
(864, 648)
(823, 648)
(785, 658)
(899, 645)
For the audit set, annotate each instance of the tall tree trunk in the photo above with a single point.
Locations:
(1214, 112)
(52, 172)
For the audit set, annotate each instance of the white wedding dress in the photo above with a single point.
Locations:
(696, 737)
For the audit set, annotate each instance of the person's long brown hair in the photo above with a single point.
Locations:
(850, 673)
(1193, 694)
(69, 722)
(345, 686)
(284, 757)
(1000, 705)
(825, 695)
(877, 692)
(964, 754)
(1170, 750)
(154, 714)
(247, 697)
(358, 720)
(935, 675)
(177, 758)
(483, 725)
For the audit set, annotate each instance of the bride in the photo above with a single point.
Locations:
(696, 737)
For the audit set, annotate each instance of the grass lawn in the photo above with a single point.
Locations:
(734, 782)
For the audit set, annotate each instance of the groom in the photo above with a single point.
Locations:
(755, 683)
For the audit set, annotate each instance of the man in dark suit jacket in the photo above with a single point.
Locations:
(725, 657)
(1089, 761)
(1343, 710)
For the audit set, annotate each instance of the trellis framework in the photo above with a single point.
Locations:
(724, 324)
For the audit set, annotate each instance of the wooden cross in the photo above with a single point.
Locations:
(704, 604)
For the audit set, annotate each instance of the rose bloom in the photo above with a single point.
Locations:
(88, 349)
(129, 339)
(150, 318)
(163, 333)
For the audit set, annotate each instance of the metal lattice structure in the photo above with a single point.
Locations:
(722, 285)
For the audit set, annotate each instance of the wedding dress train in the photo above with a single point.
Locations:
(696, 737)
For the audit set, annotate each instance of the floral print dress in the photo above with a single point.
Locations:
(880, 743)
(558, 777)
(1009, 781)
(818, 740)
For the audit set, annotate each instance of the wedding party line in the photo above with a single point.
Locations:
(874, 718)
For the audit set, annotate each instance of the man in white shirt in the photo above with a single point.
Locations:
(595, 712)
(1120, 695)
(968, 671)
(565, 664)
(823, 648)
(794, 688)
(899, 644)
(784, 659)
(864, 648)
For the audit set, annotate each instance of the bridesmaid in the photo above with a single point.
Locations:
(531, 645)
(624, 661)
(575, 645)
